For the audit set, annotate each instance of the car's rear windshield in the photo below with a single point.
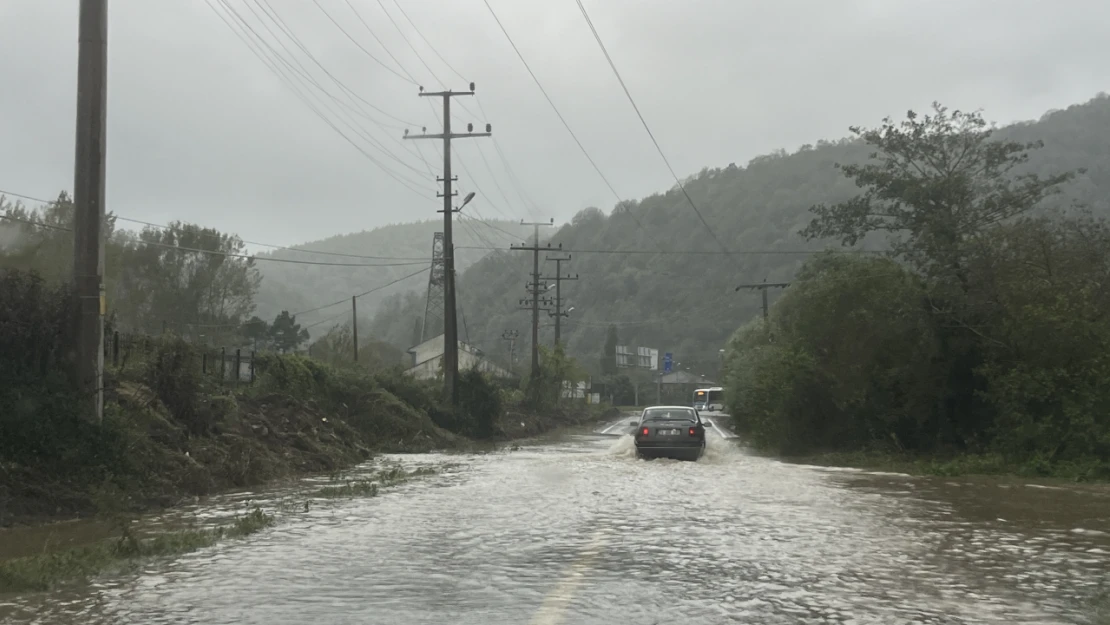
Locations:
(673, 414)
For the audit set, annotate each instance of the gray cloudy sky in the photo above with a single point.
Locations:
(201, 130)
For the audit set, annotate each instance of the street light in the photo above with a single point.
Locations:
(466, 200)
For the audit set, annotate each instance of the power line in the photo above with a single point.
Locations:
(347, 299)
(697, 252)
(275, 68)
(360, 46)
(276, 17)
(378, 39)
(227, 254)
(612, 65)
(562, 119)
(436, 52)
(412, 47)
(305, 75)
(270, 245)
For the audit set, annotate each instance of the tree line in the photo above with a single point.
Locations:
(985, 330)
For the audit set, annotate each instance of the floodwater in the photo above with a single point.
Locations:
(576, 530)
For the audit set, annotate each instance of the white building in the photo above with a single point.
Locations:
(427, 356)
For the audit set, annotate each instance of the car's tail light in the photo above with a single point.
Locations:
(693, 431)
(644, 432)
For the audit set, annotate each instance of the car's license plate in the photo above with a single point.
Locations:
(668, 432)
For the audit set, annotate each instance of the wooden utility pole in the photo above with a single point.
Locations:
(88, 204)
(450, 322)
(535, 287)
(510, 336)
(763, 286)
(559, 313)
(354, 324)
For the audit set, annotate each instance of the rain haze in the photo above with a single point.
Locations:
(200, 130)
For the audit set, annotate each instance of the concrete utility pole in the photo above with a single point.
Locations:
(559, 313)
(534, 287)
(450, 322)
(510, 336)
(763, 286)
(88, 203)
(354, 324)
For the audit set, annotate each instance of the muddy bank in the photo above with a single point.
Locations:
(146, 458)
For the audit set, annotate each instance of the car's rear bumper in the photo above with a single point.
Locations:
(691, 450)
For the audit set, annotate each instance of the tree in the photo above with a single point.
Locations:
(256, 331)
(609, 352)
(286, 334)
(938, 180)
(188, 277)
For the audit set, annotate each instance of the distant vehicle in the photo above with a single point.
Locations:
(712, 399)
(669, 432)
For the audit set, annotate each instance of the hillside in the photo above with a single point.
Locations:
(403, 248)
(686, 303)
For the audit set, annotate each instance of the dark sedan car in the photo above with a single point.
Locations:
(669, 432)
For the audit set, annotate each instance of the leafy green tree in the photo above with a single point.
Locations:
(286, 334)
(938, 181)
(257, 332)
(194, 280)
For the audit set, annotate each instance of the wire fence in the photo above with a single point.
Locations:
(131, 352)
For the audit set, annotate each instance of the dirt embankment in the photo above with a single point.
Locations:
(149, 459)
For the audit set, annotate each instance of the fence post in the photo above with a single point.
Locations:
(252, 366)
(223, 365)
(115, 348)
(238, 362)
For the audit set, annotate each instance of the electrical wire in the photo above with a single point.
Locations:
(613, 66)
(215, 234)
(273, 67)
(409, 78)
(565, 124)
(227, 254)
(367, 292)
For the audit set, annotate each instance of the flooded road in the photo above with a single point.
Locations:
(577, 531)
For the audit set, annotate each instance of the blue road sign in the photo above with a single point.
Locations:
(667, 362)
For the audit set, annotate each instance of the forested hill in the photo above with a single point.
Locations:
(686, 303)
(401, 249)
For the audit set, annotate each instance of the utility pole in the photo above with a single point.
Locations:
(450, 322)
(88, 203)
(558, 278)
(354, 324)
(510, 336)
(763, 286)
(534, 287)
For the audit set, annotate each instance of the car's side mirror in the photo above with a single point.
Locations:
(633, 423)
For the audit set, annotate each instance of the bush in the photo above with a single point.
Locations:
(174, 373)
(479, 404)
(36, 328)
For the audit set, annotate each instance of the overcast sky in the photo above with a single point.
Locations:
(199, 129)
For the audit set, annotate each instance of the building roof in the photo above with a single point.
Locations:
(438, 341)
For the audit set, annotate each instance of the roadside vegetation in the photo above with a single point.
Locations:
(979, 344)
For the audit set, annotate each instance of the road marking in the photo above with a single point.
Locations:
(555, 604)
(606, 430)
(713, 424)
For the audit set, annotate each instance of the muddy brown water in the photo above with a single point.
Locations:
(575, 530)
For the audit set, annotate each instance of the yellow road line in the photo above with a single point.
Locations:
(555, 603)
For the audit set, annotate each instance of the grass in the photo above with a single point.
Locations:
(42, 572)
(370, 487)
